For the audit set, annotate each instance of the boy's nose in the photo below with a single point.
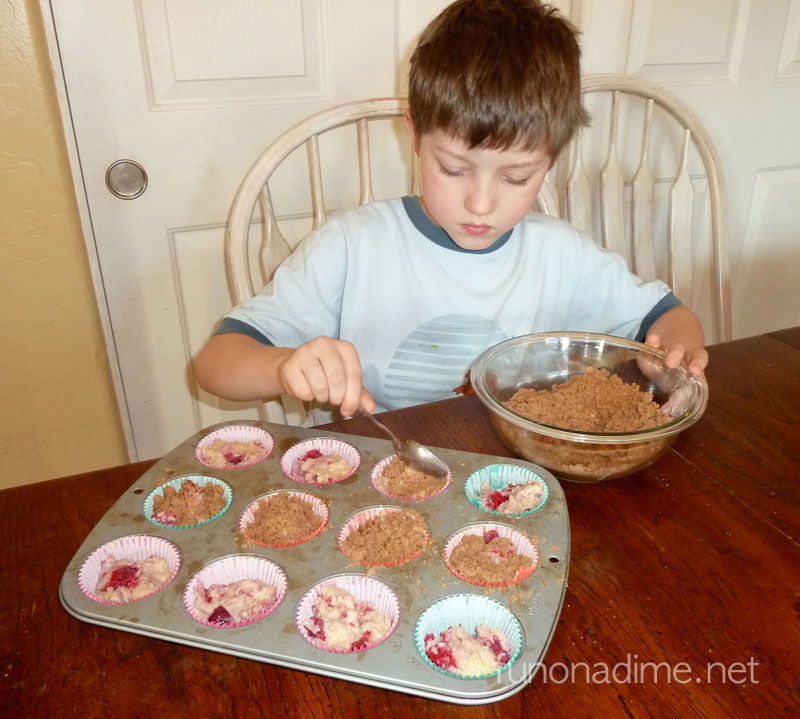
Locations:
(480, 198)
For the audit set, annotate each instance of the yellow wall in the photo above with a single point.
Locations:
(58, 413)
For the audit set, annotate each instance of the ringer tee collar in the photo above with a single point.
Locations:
(437, 235)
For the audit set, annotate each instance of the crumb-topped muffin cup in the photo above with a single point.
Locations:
(336, 461)
(470, 611)
(133, 548)
(410, 540)
(327, 622)
(419, 487)
(272, 526)
(226, 571)
(487, 531)
(498, 478)
(234, 447)
(167, 520)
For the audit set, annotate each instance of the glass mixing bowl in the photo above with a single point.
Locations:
(541, 360)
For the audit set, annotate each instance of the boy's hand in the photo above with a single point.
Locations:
(326, 370)
(696, 360)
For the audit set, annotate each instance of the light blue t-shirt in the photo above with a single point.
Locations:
(419, 309)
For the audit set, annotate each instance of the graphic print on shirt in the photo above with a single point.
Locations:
(432, 361)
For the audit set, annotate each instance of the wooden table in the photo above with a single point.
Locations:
(683, 596)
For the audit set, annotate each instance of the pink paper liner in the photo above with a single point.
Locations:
(318, 506)
(370, 513)
(326, 445)
(236, 433)
(521, 543)
(363, 589)
(377, 470)
(135, 547)
(234, 568)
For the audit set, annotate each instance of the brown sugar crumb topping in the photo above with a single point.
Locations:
(489, 558)
(596, 401)
(283, 519)
(401, 480)
(191, 504)
(387, 539)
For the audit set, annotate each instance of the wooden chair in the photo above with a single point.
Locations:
(646, 181)
(255, 243)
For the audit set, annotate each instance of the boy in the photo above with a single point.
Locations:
(387, 305)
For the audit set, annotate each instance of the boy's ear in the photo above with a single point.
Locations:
(412, 131)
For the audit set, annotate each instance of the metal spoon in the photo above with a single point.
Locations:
(417, 456)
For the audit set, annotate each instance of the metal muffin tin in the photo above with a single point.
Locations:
(394, 664)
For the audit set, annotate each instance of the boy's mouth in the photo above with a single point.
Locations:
(476, 229)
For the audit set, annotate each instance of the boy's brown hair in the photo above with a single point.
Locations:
(498, 74)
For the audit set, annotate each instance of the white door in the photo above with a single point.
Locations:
(736, 64)
(193, 90)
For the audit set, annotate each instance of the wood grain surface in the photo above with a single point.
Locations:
(683, 597)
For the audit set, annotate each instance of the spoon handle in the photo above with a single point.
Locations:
(361, 412)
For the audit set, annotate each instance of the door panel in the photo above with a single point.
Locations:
(193, 91)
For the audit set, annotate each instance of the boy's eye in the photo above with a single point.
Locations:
(517, 181)
(449, 173)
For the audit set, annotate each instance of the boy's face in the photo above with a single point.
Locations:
(476, 194)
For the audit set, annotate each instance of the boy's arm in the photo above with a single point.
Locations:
(679, 333)
(237, 367)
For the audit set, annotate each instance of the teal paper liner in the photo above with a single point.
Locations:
(500, 476)
(200, 480)
(469, 610)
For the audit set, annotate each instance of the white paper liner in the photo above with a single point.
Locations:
(201, 480)
(234, 568)
(328, 446)
(375, 478)
(363, 589)
(236, 433)
(135, 547)
(500, 476)
(521, 543)
(469, 610)
(317, 505)
(364, 515)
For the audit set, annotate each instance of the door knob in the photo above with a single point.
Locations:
(126, 179)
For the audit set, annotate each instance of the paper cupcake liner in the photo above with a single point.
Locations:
(521, 543)
(135, 547)
(234, 568)
(363, 589)
(327, 446)
(500, 476)
(377, 470)
(355, 520)
(236, 433)
(317, 505)
(469, 610)
(199, 479)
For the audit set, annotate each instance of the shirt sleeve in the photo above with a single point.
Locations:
(303, 300)
(668, 302)
(231, 326)
(609, 298)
